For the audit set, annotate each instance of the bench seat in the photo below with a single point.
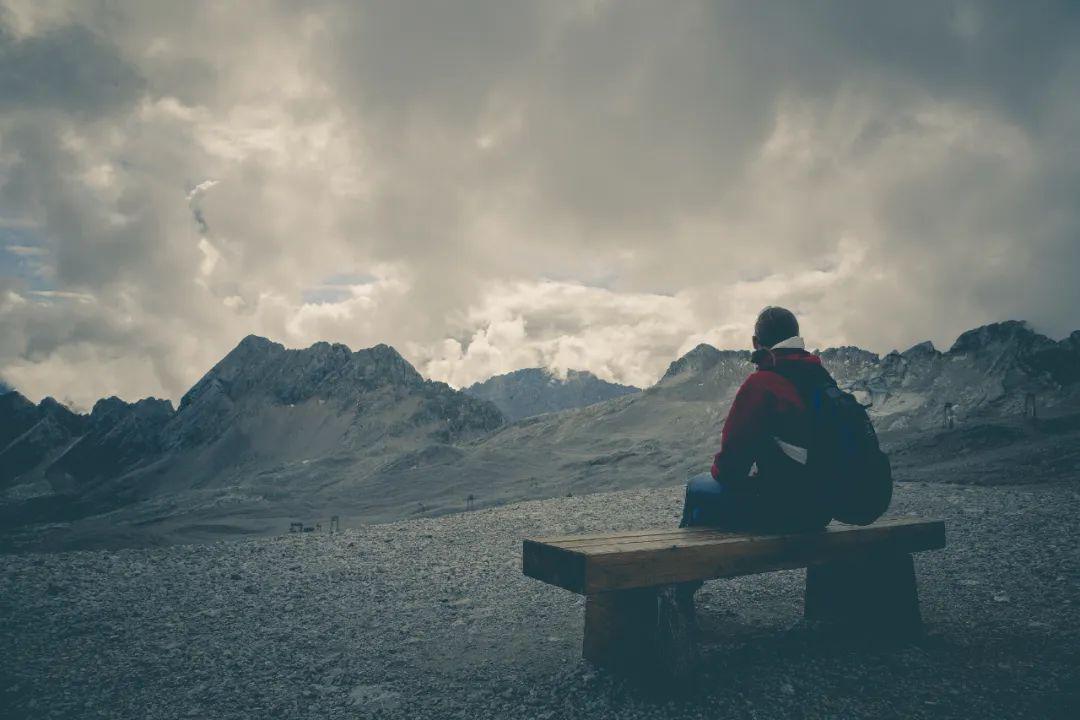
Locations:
(588, 564)
(639, 584)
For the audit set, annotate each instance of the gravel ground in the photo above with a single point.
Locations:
(432, 618)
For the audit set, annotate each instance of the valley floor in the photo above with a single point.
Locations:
(432, 618)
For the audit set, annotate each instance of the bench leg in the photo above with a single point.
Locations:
(874, 596)
(644, 631)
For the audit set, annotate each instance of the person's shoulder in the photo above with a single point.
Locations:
(763, 380)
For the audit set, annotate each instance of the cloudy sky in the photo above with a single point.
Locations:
(493, 185)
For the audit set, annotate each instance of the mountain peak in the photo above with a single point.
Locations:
(261, 366)
(258, 342)
(701, 357)
(543, 374)
(849, 351)
(925, 348)
(15, 400)
(534, 391)
(1008, 332)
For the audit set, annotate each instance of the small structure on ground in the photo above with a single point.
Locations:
(1030, 410)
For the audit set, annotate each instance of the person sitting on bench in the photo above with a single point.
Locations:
(759, 481)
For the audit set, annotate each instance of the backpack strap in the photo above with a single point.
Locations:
(796, 453)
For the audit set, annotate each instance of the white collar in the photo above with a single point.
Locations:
(792, 343)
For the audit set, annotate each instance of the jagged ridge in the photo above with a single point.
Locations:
(260, 404)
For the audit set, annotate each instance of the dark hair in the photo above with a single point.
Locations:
(775, 324)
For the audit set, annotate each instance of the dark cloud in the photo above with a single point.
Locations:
(68, 69)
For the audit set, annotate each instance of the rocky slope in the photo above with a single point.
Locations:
(380, 393)
(432, 618)
(535, 391)
(245, 432)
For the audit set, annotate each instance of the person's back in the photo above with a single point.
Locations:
(759, 480)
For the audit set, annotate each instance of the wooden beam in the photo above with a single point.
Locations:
(619, 561)
(874, 597)
(553, 565)
(648, 633)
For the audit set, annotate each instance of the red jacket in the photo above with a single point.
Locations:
(767, 407)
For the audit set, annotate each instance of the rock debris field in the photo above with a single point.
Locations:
(432, 618)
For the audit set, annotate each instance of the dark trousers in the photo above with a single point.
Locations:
(715, 504)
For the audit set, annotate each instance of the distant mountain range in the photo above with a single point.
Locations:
(270, 434)
(535, 391)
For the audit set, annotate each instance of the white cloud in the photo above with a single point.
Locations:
(210, 257)
(201, 188)
(84, 298)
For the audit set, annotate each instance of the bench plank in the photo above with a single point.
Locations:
(620, 561)
(671, 536)
(564, 539)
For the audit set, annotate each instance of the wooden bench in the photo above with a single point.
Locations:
(639, 585)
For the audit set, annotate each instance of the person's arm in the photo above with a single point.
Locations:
(744, 429)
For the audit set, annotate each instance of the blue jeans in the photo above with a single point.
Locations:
(713, 504)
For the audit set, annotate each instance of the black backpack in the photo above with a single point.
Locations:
(844, 455)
